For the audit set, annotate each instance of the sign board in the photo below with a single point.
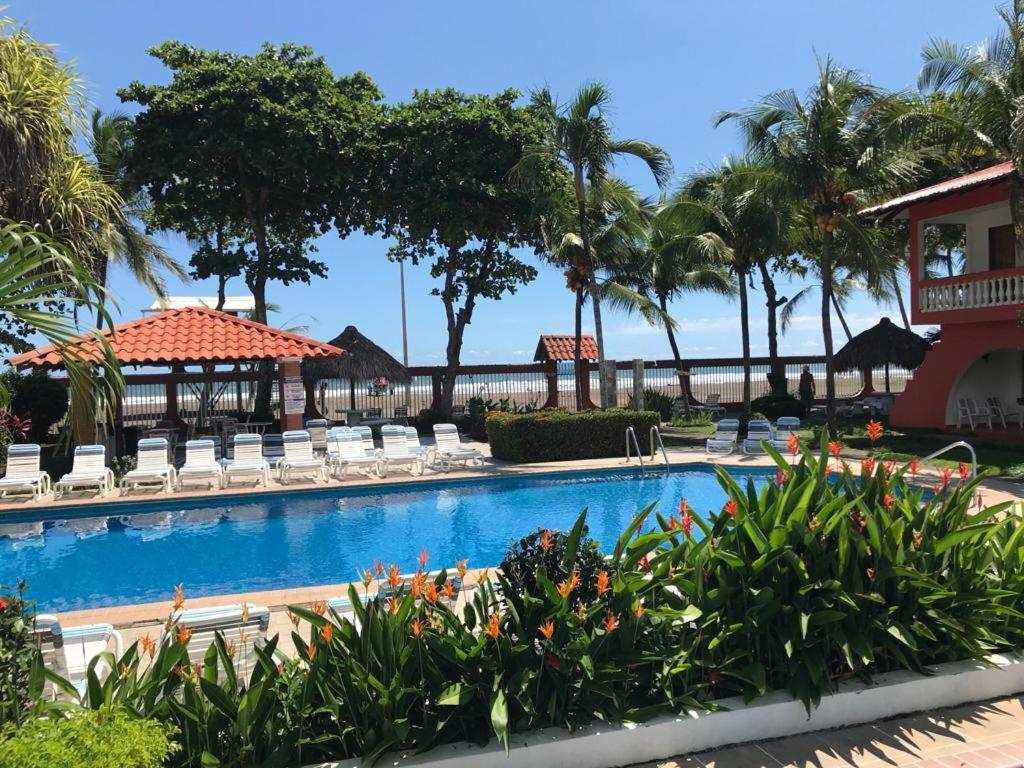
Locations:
(294, 395)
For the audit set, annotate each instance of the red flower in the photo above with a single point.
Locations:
(889, 500)
(829, 469)
(913, 466)
(730, 508)
(867, 467)
(687, 523)
(964, 470)
(644, 563)
(3, 605)
(547, 539)
(327, 632)
(553, 662)
(834, 447)
(422, 559)
(781, 476)
(683, 507)
(947, 473)
(874, 431)
(793, 443)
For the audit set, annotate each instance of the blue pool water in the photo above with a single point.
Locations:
(137, 552)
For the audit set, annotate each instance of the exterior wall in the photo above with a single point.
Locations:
(925, 401)
(978, 224)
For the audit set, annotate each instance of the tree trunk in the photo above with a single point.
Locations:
(826, 330)
(745, 334)
(577, 349)
(102, 267)
(684, 389)
(776, 371)
(458, 319)
(842, 320)
(222, 280)
(949, 260)
(256, 204)
(899, 299)
(595, 289)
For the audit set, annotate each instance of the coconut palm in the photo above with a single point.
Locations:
(579, 135)
(126, 240)
(830, 148)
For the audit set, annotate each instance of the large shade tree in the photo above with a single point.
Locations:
(579, 135)
(830, 148)
(263, 146)
(439, 184)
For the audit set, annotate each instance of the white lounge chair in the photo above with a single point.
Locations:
(968, 410)
(450, 450)
(366, 435)
(88, 470)
(412, 442)
(201, 466)
(758, 431)
(24, 472)
(67, 651)
(243, 627)
(786, 426)
(725, 437)
(396, 451)
(999, 411)
(710, 405)
(151, 467)
(299, 458)
(345, 450)
(317, 429)
(248, 462)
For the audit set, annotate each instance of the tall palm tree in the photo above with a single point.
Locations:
(751, 217)
(126, 241)
(830, 148)
(579, 135)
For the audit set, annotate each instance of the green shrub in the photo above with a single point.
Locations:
(546, 549)
(696, 419)
(657, 401)
(105, 738)
(427, 418)
(774, 406)
(40, 398)
(17, 654)
(556, 435)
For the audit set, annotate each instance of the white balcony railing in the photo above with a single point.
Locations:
(972, 292)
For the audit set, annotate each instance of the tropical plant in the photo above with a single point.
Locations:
(579, 135)
(17, 655)
(546, 549)
(831, 151)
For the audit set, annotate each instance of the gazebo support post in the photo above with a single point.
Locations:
(289, 368)
(869, 384)
(171, 404)
(312, 412)
(352, 394)
(551, 374)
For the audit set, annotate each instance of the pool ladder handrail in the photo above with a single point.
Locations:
(656, 432)
(951, 446)
(631, 433)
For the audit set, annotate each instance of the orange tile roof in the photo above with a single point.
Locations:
(562, 346)
(990, 175)
(189, 335)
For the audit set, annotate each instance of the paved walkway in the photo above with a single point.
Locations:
(985, 735)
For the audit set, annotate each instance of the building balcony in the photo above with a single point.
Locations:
(980, 296)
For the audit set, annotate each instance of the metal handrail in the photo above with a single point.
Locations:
(630, 432)
(951, 446)
(655, 432)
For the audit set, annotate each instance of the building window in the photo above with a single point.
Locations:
(1001, 247)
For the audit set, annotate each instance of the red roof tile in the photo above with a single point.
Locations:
(562, 346)
(991, 175)
(190, 335)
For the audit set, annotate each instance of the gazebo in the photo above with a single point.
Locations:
(884, 344)
(363, 360)
(204, 337)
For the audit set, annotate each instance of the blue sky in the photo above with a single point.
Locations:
(670, 65)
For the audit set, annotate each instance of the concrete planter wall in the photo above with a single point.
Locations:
(767, 717)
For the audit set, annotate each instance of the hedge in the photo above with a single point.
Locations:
(555, 435)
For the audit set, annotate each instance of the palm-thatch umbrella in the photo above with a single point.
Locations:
(884, 344)
(363, 360)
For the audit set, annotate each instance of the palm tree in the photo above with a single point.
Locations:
(831, 151)
(751, 217)
(126, 240)
(579, 135)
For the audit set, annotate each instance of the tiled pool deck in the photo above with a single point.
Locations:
(984, 735)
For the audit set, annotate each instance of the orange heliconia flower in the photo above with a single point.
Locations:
(484, 576)
(293, 618)
(867, 467)
(449, 590)
(684, 508)
(686, 523)
(602, 583)
(417, 627)
(148, 645)
(874, 430)
(834, 448)
(611, 622)
(393, 605)
(829, 469)
(547, 540)
(418, 582)
(422, 559)
(394, 577)
(964, 470)
(367, 578)
(731, 508)
(378, 568)
(947, 473)
(310, 652)
(179, 597)
(460, 566)
(493, 625)
(184, 635)
(430, 594)
(327, 632)
(913, 466)
(793, 443)
(889, 500)
(320, 607)
(639, 611)
(566, 587)
(547, 629)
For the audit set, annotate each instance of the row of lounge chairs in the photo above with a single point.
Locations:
(759, 432)
(969, 411)
(302, 453)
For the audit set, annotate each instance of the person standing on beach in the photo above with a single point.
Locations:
(807, 388)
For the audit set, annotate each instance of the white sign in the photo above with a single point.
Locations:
(294, 395)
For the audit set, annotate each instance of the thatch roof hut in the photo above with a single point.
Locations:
(363, 361)
(884, 344)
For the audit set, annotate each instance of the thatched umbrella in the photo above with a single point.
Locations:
(363, 360)
(884, 344)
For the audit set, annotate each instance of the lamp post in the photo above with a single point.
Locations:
(405, 336)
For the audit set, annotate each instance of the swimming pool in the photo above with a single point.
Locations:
(93, 556)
